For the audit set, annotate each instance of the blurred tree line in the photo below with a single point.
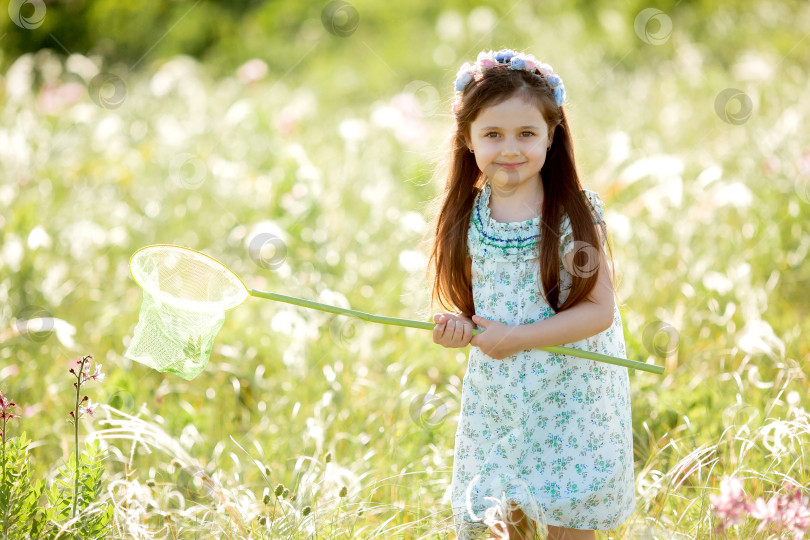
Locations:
(224, 33)
(356, 50)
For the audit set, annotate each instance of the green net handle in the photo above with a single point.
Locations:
(424, 325)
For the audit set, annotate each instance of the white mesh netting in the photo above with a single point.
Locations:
(185, 295)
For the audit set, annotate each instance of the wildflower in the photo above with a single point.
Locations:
(89, 409)
(306, 511)
(343, 491)
(328, 457)
(5, 408)
(285, 493)
(796, 513)
(279, 490)
(730, 506)
(263, 520)
(789, 511)
(83, 375)
(6, 414)
(98, 375)
(767, 512)
(266, 499)
(82, 405)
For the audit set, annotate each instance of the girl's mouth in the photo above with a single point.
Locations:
(510, 165)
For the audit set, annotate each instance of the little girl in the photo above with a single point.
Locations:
(519, 251)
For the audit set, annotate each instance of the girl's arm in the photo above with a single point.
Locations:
(581, 321)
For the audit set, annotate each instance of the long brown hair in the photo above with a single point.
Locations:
(447, 265)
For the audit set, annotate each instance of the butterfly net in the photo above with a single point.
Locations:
(185, 295)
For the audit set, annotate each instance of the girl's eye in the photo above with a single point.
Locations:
(529, 133)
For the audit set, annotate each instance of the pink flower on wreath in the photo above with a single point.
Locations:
(487, 63)
(545, 69)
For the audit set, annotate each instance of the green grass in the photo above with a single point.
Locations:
(708, 221)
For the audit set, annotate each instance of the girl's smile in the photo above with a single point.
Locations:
(510, 165)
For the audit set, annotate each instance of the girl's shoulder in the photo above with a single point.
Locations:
(594, 197)
(596, 203)
(567, 239)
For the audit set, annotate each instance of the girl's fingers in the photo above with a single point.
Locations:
(458, 333)
(467, 333)
(438, 332)
(450, 333)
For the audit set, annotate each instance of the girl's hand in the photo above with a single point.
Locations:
(452, 330)
(496, 339)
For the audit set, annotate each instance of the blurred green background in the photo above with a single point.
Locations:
(216, 124)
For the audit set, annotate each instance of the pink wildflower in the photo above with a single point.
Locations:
(767, 512)
(90, 408)
(6, 415)
(789, 511)
(5, 408)
(730, 506)
(98, 375)
(796, 514)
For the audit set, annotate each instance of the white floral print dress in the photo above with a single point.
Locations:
(551, 432)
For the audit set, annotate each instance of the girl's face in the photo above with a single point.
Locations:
(510, 141)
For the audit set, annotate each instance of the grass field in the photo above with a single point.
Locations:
(707, 197)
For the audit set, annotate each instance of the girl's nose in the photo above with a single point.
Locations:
(510, 147)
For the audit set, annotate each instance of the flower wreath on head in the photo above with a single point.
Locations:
(515, 60)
